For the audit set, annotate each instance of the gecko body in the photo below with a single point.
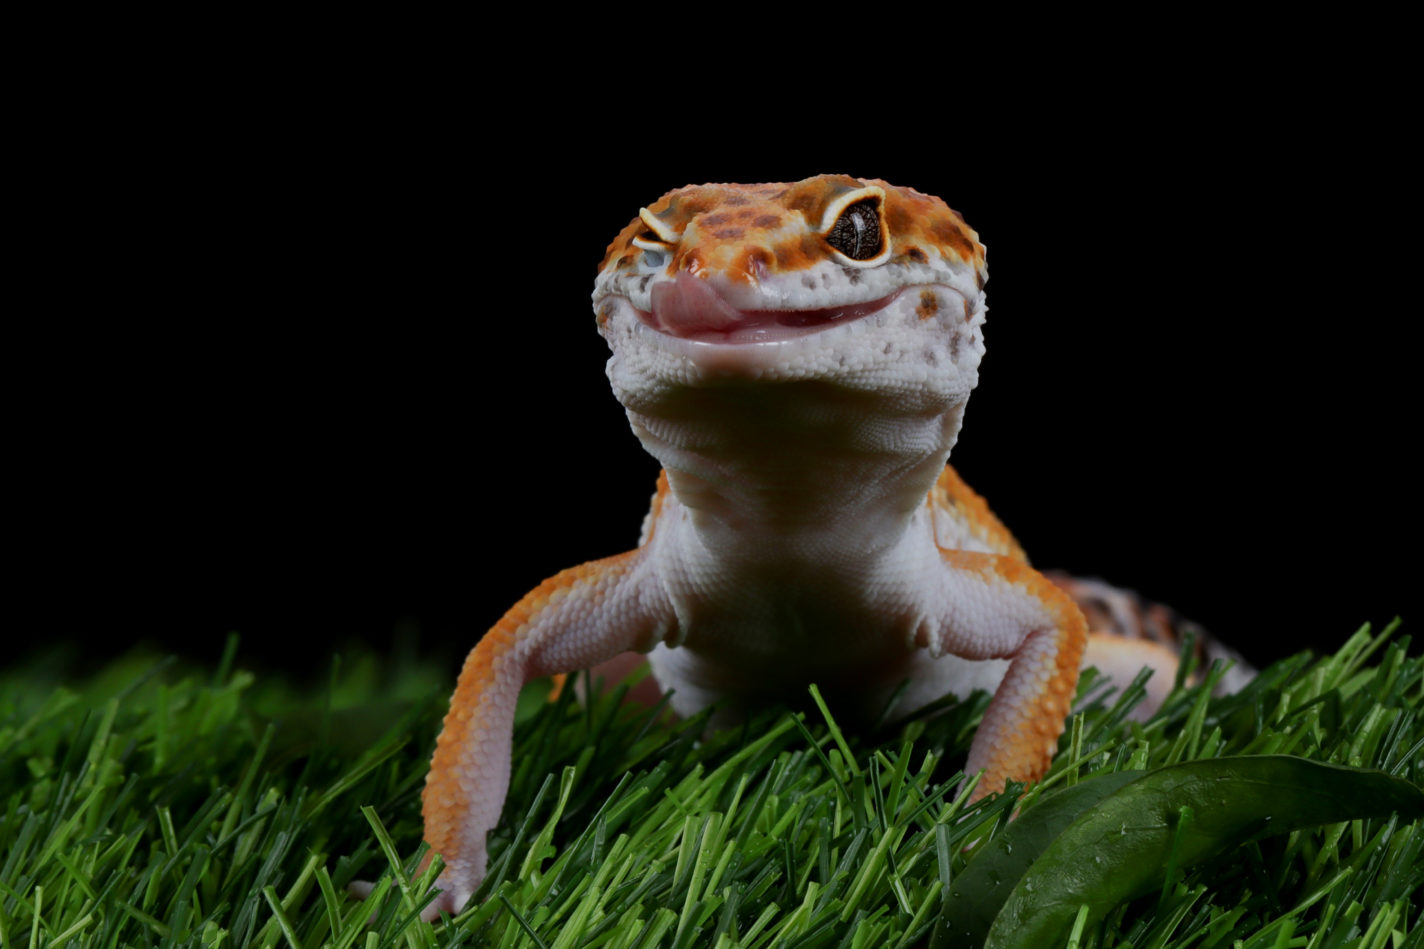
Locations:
(798, 357)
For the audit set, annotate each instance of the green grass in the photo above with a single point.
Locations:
(148, 807)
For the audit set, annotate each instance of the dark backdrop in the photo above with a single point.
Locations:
(321, 367)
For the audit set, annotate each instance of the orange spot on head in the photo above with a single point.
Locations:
(949, 234)
(725, 213)
(898, 216)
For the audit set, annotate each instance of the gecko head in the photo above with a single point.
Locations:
(834, 279)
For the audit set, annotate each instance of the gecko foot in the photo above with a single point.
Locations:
(447, 901)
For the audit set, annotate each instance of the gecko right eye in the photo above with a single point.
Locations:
(655, 251)
(856, 232)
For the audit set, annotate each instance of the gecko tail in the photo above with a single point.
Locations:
(1124, 622)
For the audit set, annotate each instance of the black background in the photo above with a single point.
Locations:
(314, 360)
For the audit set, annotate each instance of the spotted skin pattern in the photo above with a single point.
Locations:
(798, 356)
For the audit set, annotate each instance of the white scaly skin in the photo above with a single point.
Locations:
(803, 391)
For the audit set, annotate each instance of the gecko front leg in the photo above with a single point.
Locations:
(998, 607)
(573, 620)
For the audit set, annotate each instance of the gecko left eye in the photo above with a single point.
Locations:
(856, 232)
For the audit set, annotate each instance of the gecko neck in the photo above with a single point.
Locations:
(805, 464)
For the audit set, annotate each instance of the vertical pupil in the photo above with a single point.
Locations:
(857, 220)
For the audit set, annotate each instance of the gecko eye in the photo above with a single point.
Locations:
(655, 252)
(856, 232)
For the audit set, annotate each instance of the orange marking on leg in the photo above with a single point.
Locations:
(664, 489)
(951, 493)
(1024, 729)
(493, 673)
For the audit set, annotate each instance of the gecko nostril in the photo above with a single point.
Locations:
(754, 265)
(759, 262)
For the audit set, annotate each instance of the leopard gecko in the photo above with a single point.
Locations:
(798, 357)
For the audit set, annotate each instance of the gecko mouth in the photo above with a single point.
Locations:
(690, 308)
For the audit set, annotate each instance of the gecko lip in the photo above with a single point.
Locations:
(689, 308)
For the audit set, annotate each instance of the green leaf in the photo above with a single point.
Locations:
(982, 889)
(1118, 849)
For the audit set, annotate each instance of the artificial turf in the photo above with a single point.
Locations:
(156, 805)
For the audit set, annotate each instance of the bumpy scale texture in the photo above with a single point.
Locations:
(798, 356)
